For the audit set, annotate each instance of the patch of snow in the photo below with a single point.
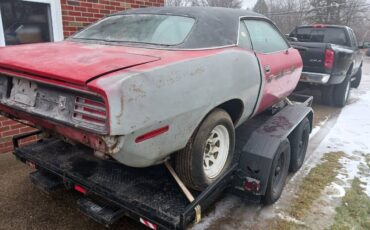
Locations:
(221, 210)
(290, 219)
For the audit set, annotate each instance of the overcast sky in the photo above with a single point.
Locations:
(249, 3)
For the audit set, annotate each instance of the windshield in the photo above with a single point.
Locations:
(137, 28)
(325, 35)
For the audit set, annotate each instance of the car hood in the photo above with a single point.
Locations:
(71, 62)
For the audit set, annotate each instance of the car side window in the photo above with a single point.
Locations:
(244, 38)
(265, 38)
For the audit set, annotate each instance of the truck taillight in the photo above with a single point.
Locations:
(329, 59)
(90, 111)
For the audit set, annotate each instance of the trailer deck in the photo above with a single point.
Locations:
(149, 194)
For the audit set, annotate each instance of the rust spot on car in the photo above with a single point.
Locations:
(122, 105)
(198, 71)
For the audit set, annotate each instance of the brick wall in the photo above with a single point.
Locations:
(76, 15)
(9, 128)
(81, 13)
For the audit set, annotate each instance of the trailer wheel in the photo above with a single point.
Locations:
(298, 145)
(209, 153)
(356, 83)
(278, 173)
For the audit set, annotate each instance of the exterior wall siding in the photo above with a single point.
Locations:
(76, 15)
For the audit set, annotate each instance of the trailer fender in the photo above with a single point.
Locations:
(259, 150)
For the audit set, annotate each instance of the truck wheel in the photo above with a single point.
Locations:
(278, 173)
(209, 153)
(342, 92)
(327, 94)
(298, 145)
(356, 83)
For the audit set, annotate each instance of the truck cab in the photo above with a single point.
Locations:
(332, 60)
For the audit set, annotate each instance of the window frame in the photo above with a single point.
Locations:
(272, 25)
(55, 18)
(241, 23)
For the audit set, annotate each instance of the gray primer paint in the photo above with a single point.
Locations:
(179, 95)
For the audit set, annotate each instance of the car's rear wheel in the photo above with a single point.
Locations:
(356, 83)
(209, 153)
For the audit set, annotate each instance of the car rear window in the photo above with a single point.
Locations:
(138, 28)
(324, 35)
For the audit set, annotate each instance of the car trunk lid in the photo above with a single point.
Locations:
(71, 62)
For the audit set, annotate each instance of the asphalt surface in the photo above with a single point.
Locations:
(22, 206)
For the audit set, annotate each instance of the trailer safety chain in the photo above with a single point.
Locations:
(185, 190)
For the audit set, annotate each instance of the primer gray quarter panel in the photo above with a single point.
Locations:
(180, 95)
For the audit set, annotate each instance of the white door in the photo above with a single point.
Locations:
(30, 21)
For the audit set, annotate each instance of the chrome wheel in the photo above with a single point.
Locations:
(216, 151)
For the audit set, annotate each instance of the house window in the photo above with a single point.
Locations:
(29, 21)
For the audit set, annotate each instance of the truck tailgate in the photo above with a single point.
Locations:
(313, 56)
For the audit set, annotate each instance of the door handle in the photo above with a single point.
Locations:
(267, 68)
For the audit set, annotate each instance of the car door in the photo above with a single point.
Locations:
(280, 64)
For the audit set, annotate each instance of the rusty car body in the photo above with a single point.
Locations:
(139, 102)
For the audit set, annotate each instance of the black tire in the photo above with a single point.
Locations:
(298, 145)
(327, 94)
(342, 93)
(358, 76)
(278, 173)
(189, 161)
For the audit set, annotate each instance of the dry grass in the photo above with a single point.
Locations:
(354, 212)
(315, 182)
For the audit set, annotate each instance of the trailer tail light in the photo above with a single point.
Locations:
(329, 59)
(252, 185)
(80, 189)
(148, 224)
(90, 111)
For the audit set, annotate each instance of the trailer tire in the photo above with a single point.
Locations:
(278, 173)
(298, 145)
(358, 76)
(191, 162)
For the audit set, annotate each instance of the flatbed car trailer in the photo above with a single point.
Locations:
(155, 196)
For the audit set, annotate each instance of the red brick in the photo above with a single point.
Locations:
(10, 133)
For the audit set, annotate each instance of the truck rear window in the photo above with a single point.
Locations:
(325, 35)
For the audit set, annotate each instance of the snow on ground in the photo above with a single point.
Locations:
(350, 134)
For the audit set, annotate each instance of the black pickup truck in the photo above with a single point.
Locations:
(332, 60)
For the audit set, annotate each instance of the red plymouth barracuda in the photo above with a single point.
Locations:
(146, 85)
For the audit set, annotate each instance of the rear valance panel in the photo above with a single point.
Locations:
(50, 102)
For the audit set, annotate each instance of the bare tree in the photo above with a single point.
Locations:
(261, 7)
(226, 3)
(175, 2)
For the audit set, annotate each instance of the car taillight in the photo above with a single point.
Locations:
(90, 111)
(329, 59)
